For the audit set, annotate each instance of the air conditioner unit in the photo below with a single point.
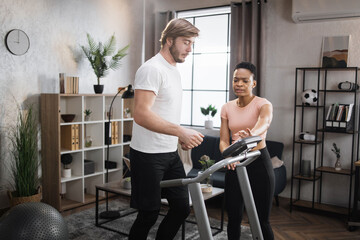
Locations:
(324, 10)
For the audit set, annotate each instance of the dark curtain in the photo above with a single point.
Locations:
(161, 19)
(246, 38)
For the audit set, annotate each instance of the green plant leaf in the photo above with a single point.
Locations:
(101, 56)
(204, 111)
(24, 151)
(209, 110)
(213, 112)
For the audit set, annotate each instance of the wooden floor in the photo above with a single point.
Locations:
(299, 224)
(302, 223)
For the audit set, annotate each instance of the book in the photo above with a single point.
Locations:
(351, 105)
(116, 131)
(68, 137)
(334, 111)
(75, 85)
(73, 136)
(77, 136)
(339, 112)
(68, 85)
(329, 112)
(62, 82)
(112, 133)
(107, 133)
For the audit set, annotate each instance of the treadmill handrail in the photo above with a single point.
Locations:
(244, 159)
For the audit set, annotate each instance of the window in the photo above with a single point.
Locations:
(205, 72)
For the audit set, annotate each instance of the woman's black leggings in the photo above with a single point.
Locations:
(261, 177)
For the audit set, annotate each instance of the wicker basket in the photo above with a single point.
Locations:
(18, 200)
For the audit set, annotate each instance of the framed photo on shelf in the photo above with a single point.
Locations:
(335, 52)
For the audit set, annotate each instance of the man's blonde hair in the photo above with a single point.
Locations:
(178, 27)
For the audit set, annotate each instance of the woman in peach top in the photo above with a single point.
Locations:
(248, 115)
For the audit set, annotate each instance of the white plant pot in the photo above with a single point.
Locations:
(208, 124)
(66, 173)
(126, 184)
(206, 188)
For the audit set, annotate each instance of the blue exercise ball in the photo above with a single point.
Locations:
(33, 220)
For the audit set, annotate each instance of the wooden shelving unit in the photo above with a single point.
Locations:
(80, 188)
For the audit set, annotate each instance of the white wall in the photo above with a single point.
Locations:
(56, 29)
(287, 46)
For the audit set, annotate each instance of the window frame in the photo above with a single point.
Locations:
(193, 15)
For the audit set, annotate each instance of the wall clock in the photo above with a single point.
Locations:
(17, 42)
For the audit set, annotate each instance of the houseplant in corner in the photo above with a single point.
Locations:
(103, 57)
(24, 159)
(209, 113)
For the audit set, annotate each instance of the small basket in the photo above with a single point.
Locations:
(18, 200)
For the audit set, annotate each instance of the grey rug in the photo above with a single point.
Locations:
(81, 225)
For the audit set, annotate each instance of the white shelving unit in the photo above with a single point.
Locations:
(80, 188)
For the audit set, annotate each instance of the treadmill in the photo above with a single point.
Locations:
(238, 151)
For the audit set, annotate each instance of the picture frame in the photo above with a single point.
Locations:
(335, 51)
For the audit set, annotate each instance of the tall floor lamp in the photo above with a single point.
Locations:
(129, 93)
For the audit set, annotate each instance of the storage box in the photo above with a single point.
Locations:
(89, 167)
(110, 165)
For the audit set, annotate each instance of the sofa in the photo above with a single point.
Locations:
(210, 147)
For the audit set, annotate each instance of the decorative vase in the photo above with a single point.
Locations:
(306, 168)
(66, 172)
(337, 164)
(98, 89)
(208, 124)
(88, 141)
(127, 113)
(87, 117)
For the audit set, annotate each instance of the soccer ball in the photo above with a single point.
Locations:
(309, 97)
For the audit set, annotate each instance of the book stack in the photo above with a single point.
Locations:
(70, 137)
(340, 117)
(112, 135)
(68, 84)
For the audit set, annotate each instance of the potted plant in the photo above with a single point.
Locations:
(25, 158)
(209, 113)
(336, 150)
(206, 162)
(127, 112)
(103, 57)
(127, 183)
(66, 159)
(87, 113)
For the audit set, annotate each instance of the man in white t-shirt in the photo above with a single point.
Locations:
(156, 133)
